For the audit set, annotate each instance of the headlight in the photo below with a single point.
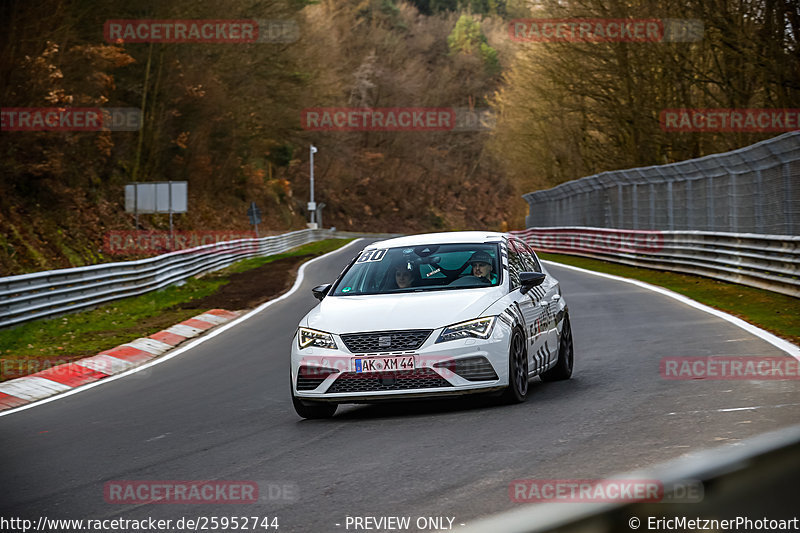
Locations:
(311, 337)
(480, 328)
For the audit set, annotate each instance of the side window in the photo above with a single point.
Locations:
(528, 256)
(515, 266)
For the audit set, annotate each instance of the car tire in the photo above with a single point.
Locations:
(566, 356)
(312, 410)
(517, 390)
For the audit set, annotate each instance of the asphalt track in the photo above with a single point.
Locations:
(221, 411)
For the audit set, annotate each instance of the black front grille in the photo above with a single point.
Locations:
(310, 377)
(470, 368)
(386, 341)
(421, 378)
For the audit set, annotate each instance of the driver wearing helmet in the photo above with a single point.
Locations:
(482, 267)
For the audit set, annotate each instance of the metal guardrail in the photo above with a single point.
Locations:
(770, 262)
(755, 479)
(43, 294)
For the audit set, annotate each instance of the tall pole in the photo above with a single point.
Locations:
(311, 206)
(319, 214)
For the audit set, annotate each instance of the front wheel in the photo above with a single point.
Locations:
(312, 410)
(517, 390)
(566, 357)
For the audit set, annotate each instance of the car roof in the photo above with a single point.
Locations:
(450, 237)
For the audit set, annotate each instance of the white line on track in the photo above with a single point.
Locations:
(779, 343)
(196, 342)
(734, 409)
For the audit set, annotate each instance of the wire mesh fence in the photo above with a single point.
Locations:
(755, 189)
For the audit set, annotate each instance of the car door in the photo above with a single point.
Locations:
(529, 306)
(549, 303)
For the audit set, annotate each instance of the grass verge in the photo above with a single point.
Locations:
(774, 312)
(37, 345)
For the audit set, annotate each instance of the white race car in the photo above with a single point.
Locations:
(429, 316)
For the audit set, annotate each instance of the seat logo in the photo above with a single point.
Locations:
(385, 341)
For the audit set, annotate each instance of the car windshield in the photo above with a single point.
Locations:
(421, 268)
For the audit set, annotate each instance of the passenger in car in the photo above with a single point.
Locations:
(482, 267)
(404, 275)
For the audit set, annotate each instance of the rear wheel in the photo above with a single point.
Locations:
(566, 357)
(517, 390)
(312, 410)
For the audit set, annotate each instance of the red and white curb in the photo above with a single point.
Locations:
(65, 377)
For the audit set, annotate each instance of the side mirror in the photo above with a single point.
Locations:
(530, 280)
(320, 291)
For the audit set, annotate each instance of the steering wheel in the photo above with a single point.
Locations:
(470, 281)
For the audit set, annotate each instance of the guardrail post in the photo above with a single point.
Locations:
(652, 194)
(787, 201)
(732, 211)
(670, 208)
(689, 205)
(759, 202)
(711, 223)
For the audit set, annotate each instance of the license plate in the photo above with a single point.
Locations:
(384, 364)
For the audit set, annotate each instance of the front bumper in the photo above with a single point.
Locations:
(445, 369)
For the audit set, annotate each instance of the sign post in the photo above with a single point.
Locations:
(254, 213)
(312, 206)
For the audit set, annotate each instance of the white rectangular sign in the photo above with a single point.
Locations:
(156, 197)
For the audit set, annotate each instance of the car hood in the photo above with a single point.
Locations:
(416, 310)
